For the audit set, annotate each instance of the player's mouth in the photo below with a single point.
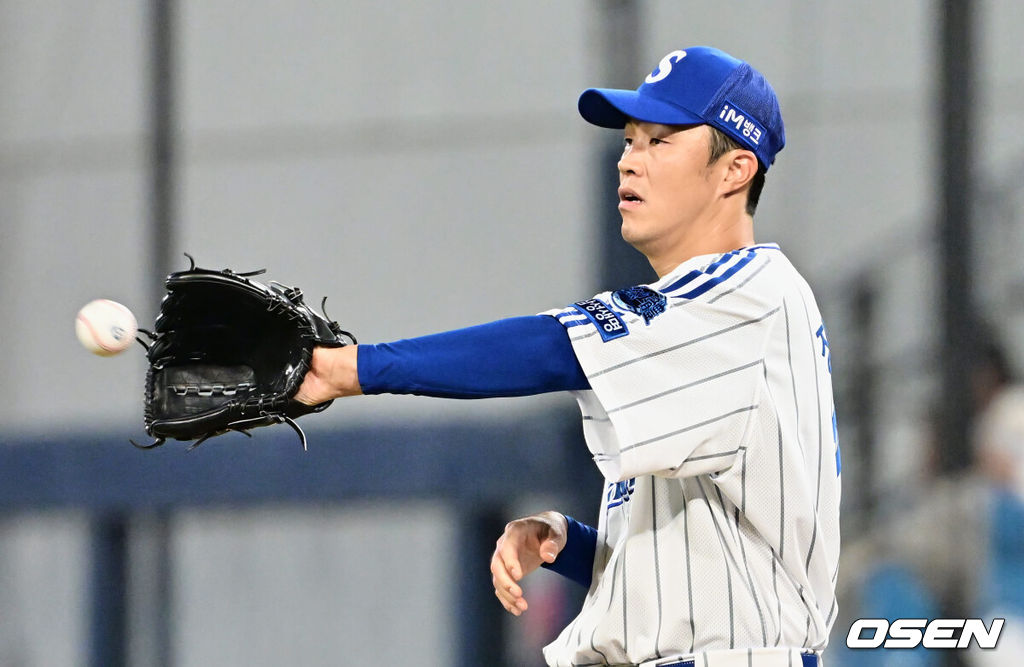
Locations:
(629, 199)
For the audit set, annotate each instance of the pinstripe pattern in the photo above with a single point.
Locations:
(673, 348)
(792, 373)
(710, 410)
(728, 573)
(734, 529)
(778, 600)
(750, 580)
(625, 605)
(690, 427)
(689, 385)
(760, 267)
(689, 576)
(817, 495)
(657, 569)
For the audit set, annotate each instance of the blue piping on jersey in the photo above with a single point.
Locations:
(572, 318)
(697, 273)
(718, 280)
(710, 269)
(694, 293)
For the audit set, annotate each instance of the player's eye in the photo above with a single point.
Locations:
(627, 142)
(655, 141)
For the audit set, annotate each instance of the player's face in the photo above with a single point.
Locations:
(665, 184)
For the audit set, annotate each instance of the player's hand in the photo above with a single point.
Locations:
(332, 374)
(525, 544)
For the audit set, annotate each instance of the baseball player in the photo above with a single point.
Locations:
(706, 399)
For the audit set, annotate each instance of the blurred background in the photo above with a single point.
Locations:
(423, 164)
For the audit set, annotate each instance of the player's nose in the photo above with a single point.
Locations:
(630, 163)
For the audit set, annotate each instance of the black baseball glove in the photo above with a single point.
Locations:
(228, 353)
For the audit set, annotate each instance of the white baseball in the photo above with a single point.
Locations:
(105, 327)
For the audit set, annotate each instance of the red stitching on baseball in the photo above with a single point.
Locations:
(92, 332)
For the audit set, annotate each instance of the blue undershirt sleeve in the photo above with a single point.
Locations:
(576, 559)
(519, 356)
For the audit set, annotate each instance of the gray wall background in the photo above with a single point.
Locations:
(424, 166)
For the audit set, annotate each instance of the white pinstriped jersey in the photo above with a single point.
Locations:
(710, 415)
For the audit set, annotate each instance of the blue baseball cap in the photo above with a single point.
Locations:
(698, 85)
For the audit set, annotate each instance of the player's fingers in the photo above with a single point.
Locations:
(502, 575)
(508, 549)
(514, 607)
(312, 390)
(509, 599)
(507, 592)
(549, 551)
(515, 570)
(513, 604)
(514, 573)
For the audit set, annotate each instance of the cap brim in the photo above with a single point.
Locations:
(612, 108)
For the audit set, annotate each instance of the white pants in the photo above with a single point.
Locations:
(754, 657)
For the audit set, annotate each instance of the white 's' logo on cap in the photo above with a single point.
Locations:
(665, 66)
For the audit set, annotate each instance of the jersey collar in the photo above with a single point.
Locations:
(706, 263)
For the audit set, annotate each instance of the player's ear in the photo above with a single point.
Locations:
(741, 170)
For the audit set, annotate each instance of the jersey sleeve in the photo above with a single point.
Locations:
(518, 356)
(576, 560)
(675, 369)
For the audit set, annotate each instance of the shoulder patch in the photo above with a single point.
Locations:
(641, 300)
(608, 324)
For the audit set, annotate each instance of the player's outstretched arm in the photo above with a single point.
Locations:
(333, 374)
(517, 356)
(521, 549)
